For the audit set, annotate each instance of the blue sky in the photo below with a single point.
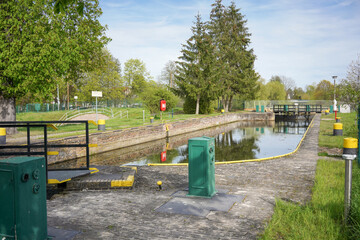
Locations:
(306, 40)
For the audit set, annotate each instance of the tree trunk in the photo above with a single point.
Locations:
(230, 103)
(8, 112)
(197, 104)
(225, 100)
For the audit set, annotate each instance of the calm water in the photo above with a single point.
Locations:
(238, 143)
(234, 141)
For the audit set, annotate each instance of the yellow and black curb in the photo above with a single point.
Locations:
(107, 177)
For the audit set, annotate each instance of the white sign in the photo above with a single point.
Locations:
(96, 93)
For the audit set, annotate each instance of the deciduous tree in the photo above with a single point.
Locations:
(38, 47)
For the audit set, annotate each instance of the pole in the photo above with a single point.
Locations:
(96, 109)
(348, 181)
(143, 115)
(58, 99)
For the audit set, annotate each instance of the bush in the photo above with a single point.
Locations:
(152, 95)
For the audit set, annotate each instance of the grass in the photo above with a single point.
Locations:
(326, 138)
(319, 219)
(131, 117)
(322, 218)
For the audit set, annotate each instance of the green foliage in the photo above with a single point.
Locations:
(235, 60)
(105, 77)
(324, 91)
(322, 217)
(62, 5)
(206, 106)
(152, 95)
(217, 60)
(38, 47)
(135, 76)
(275, 90)
(195, 76)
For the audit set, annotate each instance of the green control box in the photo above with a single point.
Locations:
(202, 167)
(23, 212)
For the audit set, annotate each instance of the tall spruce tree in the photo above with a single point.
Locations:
(235, 61)
(194, 77)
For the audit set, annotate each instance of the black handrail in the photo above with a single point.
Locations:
(44, 124)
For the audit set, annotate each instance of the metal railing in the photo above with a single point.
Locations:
(30, 148)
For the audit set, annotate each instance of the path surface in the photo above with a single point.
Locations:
(129, 214)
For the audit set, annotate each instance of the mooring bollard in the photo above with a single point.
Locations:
(2, 135)
(349, 154)
(101, 125)
(337, 129)
(338, 119)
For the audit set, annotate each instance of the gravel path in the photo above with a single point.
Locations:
(129, 214)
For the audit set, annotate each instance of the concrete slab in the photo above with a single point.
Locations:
(57, 177)
(61, 234)
(107, 177)
(197, 206)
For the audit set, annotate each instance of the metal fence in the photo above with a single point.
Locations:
(48, 107)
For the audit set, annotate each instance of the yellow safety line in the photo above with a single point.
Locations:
(52, 153)
(55, 181)
(247, 160)
(93, 170)
(52, 126)
(92, 122)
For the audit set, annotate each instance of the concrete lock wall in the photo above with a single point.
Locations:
(111, 140)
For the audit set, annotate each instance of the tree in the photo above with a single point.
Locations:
(350, 86)
(38, 47)
(194, 78)
(168, 73)
(62, 5)
(324, 90)
(310, 90)
(106, 78)
(135, 76)
(152, 95)
(275, 90)
(235, 60)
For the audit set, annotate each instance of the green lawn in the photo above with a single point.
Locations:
(319, 219)
(130, 117)
(322, 218)
(326, 138)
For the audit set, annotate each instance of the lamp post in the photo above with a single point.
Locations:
(335, 107)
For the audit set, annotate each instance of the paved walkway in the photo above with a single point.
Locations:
(129, 214)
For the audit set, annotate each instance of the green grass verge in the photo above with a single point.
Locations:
(326, 138)
(319, 219)
(353, 227)
(131, 117)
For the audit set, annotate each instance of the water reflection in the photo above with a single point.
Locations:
(235, 141)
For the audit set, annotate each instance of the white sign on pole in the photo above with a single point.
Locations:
(96, 93)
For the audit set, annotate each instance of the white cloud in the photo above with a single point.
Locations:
(305, 40)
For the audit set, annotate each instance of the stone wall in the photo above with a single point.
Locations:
(111, 140)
